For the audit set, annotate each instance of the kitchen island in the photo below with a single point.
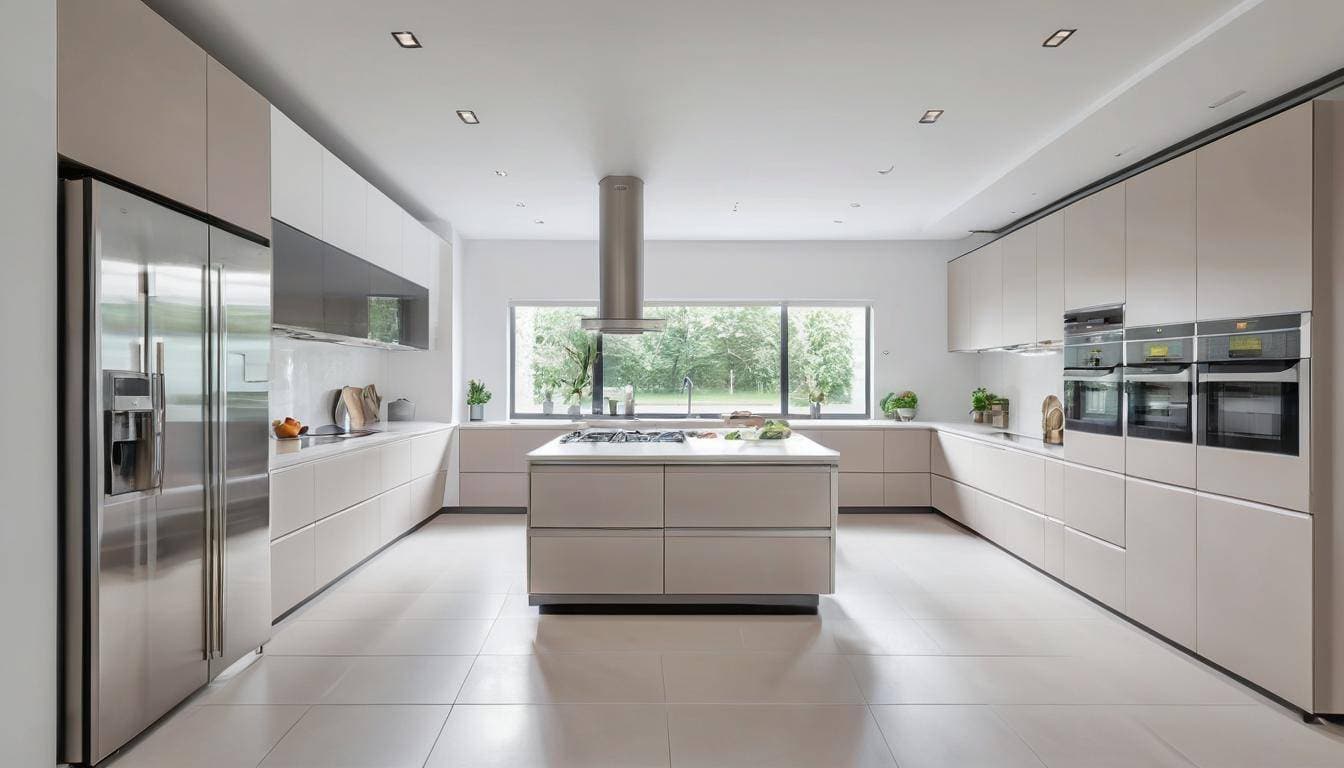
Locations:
(694, 521)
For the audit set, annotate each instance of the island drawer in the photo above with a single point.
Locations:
(749, 497)
(596, 496)
(747, 563)
(613, 562)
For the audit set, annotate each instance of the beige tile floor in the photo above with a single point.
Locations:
(937, 650)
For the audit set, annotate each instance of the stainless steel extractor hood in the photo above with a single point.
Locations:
(620, 248)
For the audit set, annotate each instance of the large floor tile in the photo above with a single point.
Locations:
(359, 606)
(360, 737)
(565, 677)
(576, 634)
(1042, 637)
(280, 680)
(952, 736)
(1092, 737)
(324, 638)
(1245, 737)
(553, 736)
(401, 680)
(979, 680)
(775, 736)
(875, 637)
(790, 634)
(759, 678)
(212, 737)
(455, 605)
(452, 637)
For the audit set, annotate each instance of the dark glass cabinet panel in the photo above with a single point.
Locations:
(322, 288)
(297, 278)
(346, 280)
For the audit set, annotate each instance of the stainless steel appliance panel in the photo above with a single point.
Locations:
(1251, 378)
(1160, 382)
(241, 335)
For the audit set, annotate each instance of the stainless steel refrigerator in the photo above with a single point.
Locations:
(165, 510)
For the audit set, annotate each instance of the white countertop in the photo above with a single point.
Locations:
(288, 453)
(797, 449)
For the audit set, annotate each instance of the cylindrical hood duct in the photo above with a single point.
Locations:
(620, 250)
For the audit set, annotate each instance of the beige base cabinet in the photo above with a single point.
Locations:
(595, 562)
(747, 563)
(906, 450)
(713, 497)
(492, 462)
(493, 489)
(596, 497)
(329, 514)
(1094, 503)
(1053, 557)
(1095, 567)
(862, 489)
(905, 489)
(1254, 594)
(1160, 558)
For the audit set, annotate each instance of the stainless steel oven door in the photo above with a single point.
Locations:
(1160, 406)
(1251, 406)
(1092, 401)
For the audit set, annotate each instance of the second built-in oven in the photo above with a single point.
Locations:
(1253, 415)
(1160, 382)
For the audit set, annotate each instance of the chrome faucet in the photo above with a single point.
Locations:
(689, 386)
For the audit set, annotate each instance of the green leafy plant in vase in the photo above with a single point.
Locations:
(582, 357)
(904, 405)
(981, 399)
(816, 395)
(477, 397)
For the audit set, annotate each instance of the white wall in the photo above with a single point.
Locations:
(305, 376)
(903, 280)
(426, 378)
(1026, 382)
(28, 555)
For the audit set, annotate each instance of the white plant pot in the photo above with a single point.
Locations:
(477, 412)
(814, 409)
(548, 406)
(574, 410)
(906, 414)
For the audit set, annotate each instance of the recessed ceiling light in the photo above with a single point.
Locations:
(501, 173)
(855, 205)
(1229, 97)
(1057, 39)
(406, 39)
(931, 116)
(468, 117)
(885, 171)
(520, 204)
(837, 221)
(538, 221)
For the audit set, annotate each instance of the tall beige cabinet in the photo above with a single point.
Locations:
(1094, 250)
(1050, 278)
(1019, 287)
(1160, 244)
(1254, 196)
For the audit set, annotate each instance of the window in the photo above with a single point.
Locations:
(763, 357)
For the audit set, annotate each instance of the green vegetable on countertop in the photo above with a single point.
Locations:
(734, 435)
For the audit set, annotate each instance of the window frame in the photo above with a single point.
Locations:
(595, 405)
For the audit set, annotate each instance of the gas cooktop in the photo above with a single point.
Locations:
(624, 436)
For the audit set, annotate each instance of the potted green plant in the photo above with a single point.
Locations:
(816, 395)
(582, 357)
(546, 386)
(980, 401)
(904, 405)
(477, 397)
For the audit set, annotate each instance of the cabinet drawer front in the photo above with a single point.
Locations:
(1253, 582)
(1160, 558)
(293, 499)
(429, 453)
(860, 449)
(1022, 479)
(596, 563)
(944, 497)
(427, 495)
(1100, 451)
(906, 450)
(1054, 489)
(492, 489)
(905, 489)
(1024, 534)
(395, 514)
(342, 481)
(861, 489)
(596, 497)
(341, 541)
(1053, 559)
(953, 457)
(293, 573)
(746, 497)
(395, 462)
(1095, 567)
(486, 450)
(748, 565)
(1161, 461)
(1094, 503)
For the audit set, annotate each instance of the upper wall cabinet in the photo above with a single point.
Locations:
(296, 176)
(238, 151)
(1019, 287)
(1254, 237)
(344, 206)
(959, 304)
(1050, 277)
(1160, 244)
(1094, 250)
(419, 249)
(131, 97)
(987, 296)
(385, 231)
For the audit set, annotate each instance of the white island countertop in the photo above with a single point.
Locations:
(797, 449)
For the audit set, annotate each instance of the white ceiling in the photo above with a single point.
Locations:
(786, 108)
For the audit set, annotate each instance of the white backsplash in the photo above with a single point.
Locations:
(1026, 381)
(305, 376)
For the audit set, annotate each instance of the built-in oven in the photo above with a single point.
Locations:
(1251, 377)
(1160, 382)
(1254, 398)
(1093, 371)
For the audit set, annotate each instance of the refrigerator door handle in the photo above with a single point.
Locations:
(220, 377)
(214, 511)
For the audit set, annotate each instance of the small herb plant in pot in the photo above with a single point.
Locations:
(816, 395)
(904, 405)
(477, 397)
(582, 356)
(980, 402)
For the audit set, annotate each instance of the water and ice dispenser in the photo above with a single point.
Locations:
(131, 429)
